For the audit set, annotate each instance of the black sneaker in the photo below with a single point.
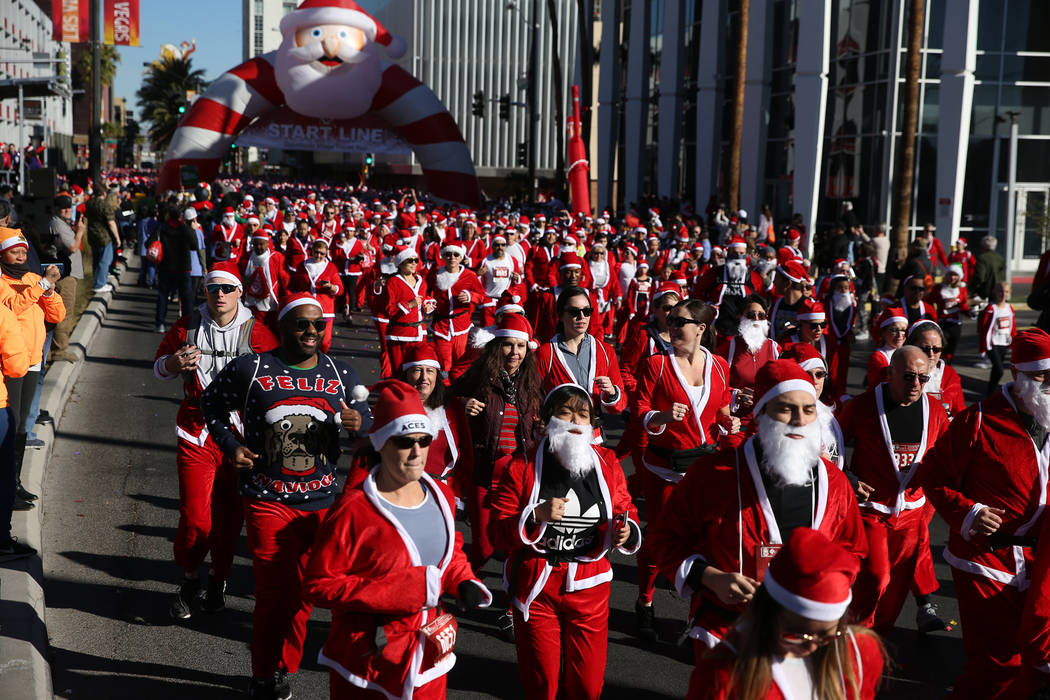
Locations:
(22, 504)
(182, 604)
(645, 619)
(14, 549)
(273, 688)
(927, 620)
(505, 626)
(215, 597)
(20, 492)
(45, 419)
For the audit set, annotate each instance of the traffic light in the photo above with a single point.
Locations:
(182, 109)
(523, 154)
(504, 108)
(478, 106)
(370, 159)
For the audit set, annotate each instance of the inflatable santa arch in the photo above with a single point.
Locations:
(330, 67)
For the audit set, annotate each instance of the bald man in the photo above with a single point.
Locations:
(891, 426)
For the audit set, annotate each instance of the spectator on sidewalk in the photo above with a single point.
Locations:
(988, 271)
(179, 242)
(14, 361)
(146, 232)
(102, 236)
(67, 239)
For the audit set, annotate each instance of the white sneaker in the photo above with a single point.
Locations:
(982, 364)
(104, 288)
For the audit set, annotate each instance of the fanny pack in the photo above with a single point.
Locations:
(439, 638)
(679, 460)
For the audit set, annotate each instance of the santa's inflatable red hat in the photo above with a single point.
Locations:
(812, 311)
(1030, 351)
(398, 411)
(812, 576)
(807, 356)
(779, 377)
(517, 327)
(316, 12)
(421, 355)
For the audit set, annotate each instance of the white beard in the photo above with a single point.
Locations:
(753, 333)
(787, 460)
(600, 273)
(949, 292)
(765, 266)
(571, 444)
(312, 89)
(840, 301)
(446, 279)
(1034, 399)
(627, 271)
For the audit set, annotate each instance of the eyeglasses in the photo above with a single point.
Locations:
(756, 315)
(800, 638)
(578, 312)
(818, 325)
(931, 349)
(224, 288)
(682, 322)
(404, 442)
(818, 374)
(910, 377)
(304, 324)
(897, 331)
(450, 254)
(499, 245)
(806, 287)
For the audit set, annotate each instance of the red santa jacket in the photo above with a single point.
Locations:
(189, 422)
(366, 569)
(968, 262)
(545, 319)
(554, 370)
(451, 458)
(305, 280)
(639, 295)
(517, 496)
(476, 252)
(744, 364)
(879, 365)
(713, 674)
(994, 321)
(720, 512)
(541, 270)
(987, 458)
(945, 386)
(452, 317)
(951, 303)
(609, 291)
(297, 251)
(264, 281)
(405, 322)
(663, 385)
(352, 256)
(234, 235)
(887, 466)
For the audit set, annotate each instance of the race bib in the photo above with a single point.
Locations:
(500, 273)
(904, 454)
(764, 553)
(1003, 324)
(439, 638)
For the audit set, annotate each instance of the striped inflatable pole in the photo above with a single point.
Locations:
(249, 92)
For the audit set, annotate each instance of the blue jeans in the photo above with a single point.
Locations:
(7, 471)
(168, 282)
(34, 408)
(102, 258)
(147, 273)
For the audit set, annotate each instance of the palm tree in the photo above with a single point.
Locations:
(736, 132)
(108, 57)
(164, 96)
(906, 167)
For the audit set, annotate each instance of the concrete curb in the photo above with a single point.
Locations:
(25, 671)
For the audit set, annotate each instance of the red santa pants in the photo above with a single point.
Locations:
(489, 313)
(280, 539)
(210, 515)
(562, 647)
(396, 351)
(925, 581)
(887, 572)
(990, 613)
(341, 689)
(481, 548)
(839, 368)
(449, 351)
(657, 491)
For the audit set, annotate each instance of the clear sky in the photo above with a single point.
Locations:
(215, 24)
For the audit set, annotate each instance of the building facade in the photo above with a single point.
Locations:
(823, 109)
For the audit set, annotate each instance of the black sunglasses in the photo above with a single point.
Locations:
(756, 315)
(224, 288)
(404, 442)
(818, 374)
(682, 322)
(818, 325)
(931, 349)
(584, 312)
(304, 324)
(910, 377)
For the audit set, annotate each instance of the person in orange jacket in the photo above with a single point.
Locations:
(14, 361)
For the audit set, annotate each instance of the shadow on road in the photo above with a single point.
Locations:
(100, 677)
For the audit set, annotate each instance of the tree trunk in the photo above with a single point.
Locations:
(736, 135)
(906, 166)
(585, 13)
(559, 102)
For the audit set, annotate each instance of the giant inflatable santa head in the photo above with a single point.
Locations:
(328, 63)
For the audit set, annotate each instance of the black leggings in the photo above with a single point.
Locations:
(20, 393)
(952, 331)
(997, 356)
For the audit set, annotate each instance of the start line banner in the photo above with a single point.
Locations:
(292, 131)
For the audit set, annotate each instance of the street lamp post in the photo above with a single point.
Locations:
(1011, 205)
(534, 117)
(95, 136)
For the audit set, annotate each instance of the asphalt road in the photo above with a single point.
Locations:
(110, 514)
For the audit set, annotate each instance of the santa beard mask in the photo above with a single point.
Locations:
(571, 444)
(787, 460)
(314, 90)
(1034, 399)
(840, 301)
(753, 333)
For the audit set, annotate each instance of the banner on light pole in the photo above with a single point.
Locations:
(121, 22)
(71, 20)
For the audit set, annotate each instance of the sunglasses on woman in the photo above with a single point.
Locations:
(404, 442)
(304, 324)
(818, 374)
(756, 315)
(682, 322)
(800, 638)
(579, 312)
(818, 325)
(931, 349)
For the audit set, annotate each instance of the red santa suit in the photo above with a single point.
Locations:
(606, 285)
(233, 235)
(476, 252)
(366, 568)
(663, 385)
(894, 515)
(966, 260)
(561, 602)
(744, 364)
(297, 251)
(266, 282)
(307, 278)
(988, 459)
(945, 387)
(405, 323)
(720, 515)
(879, 365)
(452, 317)
(840, 344)
(327, 229)
(555, 371)
(497, 276)
(210, 515)
(451, 459)
(951, 303)
(541, 271)
(352, 257)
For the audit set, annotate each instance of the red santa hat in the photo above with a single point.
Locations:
(499, 239)
(421, 355)
(515, 326)
(793, 270)
(398, 411)
(956, 269)
(313, 406)
(509, 303)
(891, 316)
(296, 300)
(454, 245)
(812, 576)
(1030, 351)
(253, 220)
(738, 243)
(779, 377)
(807, 356)
(223, 273)
(314, 12)
(793, 234)
(569, 260)
(811, 310)
(666, 288)
(405, 253)
(228, 210)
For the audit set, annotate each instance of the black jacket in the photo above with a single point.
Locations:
(178, 241)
